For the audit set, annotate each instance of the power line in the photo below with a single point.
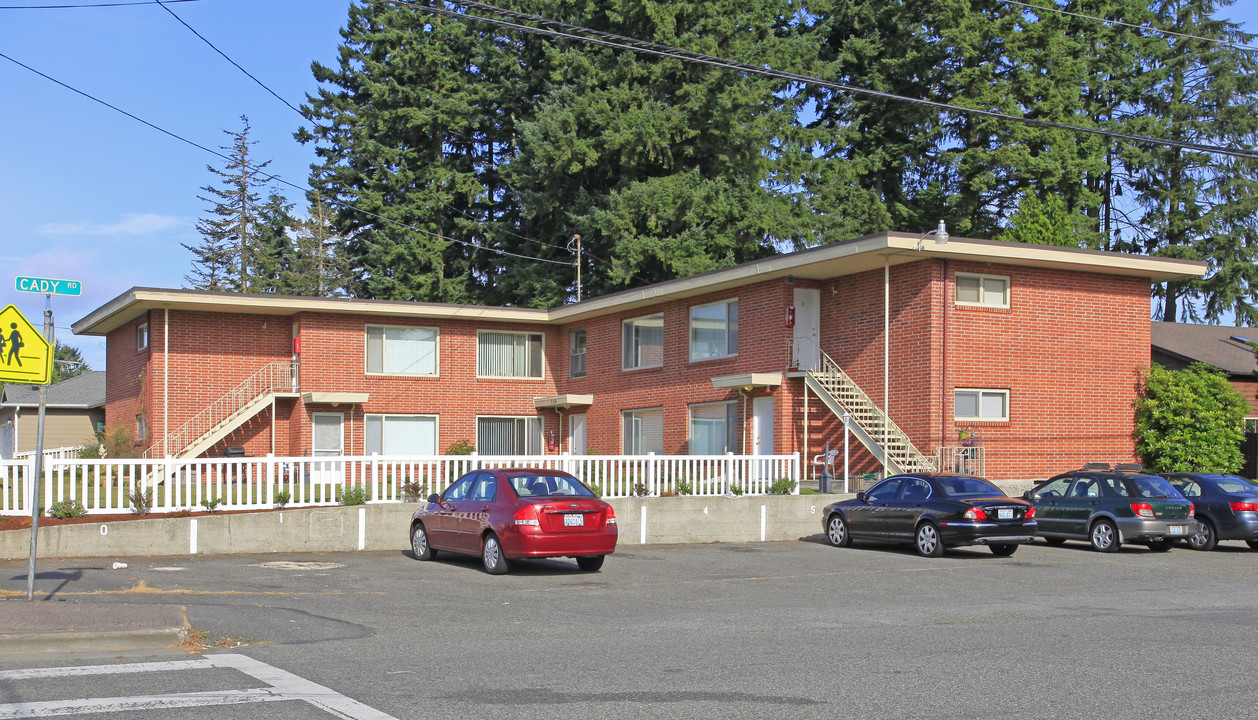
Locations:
(94, 5)
(1151, 28)
(277, 178)
(648, 48)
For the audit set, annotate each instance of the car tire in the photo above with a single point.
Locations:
(419, 543)
(491, 555)
(1163, 545)
(1206, 538)
(927, 541)
(1253, 544)
(837, 532)
(1003, 549)
(1104, 536)
(1055, 541)
(591, 563)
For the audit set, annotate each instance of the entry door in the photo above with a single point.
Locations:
(807, 336)
(328, 441)
(762, 434)
(576, 434)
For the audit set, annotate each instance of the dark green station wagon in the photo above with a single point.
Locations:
(1111, 506)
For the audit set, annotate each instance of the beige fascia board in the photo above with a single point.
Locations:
(334, 398)
(563, 401)
(747, 380)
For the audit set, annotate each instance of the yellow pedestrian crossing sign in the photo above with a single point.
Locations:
(25, 356)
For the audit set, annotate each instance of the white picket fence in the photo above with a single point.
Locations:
(174, 485)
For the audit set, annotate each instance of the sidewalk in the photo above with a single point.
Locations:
(50, 626)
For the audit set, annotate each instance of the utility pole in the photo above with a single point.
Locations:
(37, 491)
(574, 245)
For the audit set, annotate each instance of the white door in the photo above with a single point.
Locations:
(807, 334)
(576, 434)
(328, 441)
(762, 435)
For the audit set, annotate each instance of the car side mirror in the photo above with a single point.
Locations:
(861, 496)
(434, 498)
(1028, 495)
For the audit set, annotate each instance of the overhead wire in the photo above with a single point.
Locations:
(1136, 26)
(625, 43)
(92, 5)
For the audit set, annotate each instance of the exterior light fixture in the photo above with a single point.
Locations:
(940, 233)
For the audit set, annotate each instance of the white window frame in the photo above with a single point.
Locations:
(384, 345)
(141, 336)
(532, 445)
(982, 295)
(573, 354)
(731, 318)
(979, 395)
(384, 419)
(631, 351)
(632, 443)
(729, 419)
(541, 354)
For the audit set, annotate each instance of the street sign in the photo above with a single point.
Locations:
(25, 356)
(48, 286)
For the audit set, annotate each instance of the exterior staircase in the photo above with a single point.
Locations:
(871, 426)
(228, 413)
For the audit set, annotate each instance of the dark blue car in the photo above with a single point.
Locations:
(1227, 507)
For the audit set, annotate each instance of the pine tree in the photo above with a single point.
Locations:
(318, 266)
(273, 249)
(67, 363)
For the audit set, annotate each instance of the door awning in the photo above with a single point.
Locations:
(747, 381)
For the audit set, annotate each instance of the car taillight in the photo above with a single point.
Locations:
(526, 515)
(1244, 507)
(975, 514)
(1030, 513)
(611, 516)
(1145, 510)
(1192, 510)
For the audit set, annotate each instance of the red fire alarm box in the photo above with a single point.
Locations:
(297, 345)
(790, 316)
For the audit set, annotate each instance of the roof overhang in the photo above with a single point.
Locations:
(563, 402)
(747, 381)
(334, 398)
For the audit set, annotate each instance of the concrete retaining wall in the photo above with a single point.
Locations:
(648, 521)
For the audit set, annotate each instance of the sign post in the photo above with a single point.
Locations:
(20, 342)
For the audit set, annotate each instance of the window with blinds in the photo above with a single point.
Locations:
(643, 342)
(509, 436)
(713, 428)
(714, 330)
(644, 431)
(401, 434)
(509, 354)
(393, 350)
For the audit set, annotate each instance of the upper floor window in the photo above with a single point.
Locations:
(643, 342)
(990, 405)
(508, 354)
(576, 353)
(395, 350)
(984, 290)
(141, 336)
(714, 330)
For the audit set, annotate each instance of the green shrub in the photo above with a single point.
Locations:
(211, 504)
(413, 490)
(782, 486)
(684, 488)
(67, 509)
(1189, 420)
(354, 495)
(461, 447)
(282, 497)
(141, 501)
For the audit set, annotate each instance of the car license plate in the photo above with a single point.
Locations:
(1177, 529)
(574, 520)
(1004, 514)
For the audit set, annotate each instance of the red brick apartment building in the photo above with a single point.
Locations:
(1030, 351)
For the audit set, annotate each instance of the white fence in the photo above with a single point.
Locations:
(174, 485)
(61, 453)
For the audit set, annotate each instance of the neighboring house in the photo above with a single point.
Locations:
(1231, 350)
(1031, 348)
(74, 410)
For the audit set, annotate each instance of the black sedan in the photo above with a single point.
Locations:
(932, 512)
(1226, 506)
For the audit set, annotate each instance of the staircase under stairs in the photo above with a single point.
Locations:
(871, 426)
(228, 413)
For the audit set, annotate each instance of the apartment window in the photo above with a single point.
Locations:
(643, 342)
(395, 350)
(714, 330)
(971, 404)
(141, 336)
(401, 434)
(508, 354)
(713, 428)
(576, 353)
(509, 436)
(644, 431)
(982, 290)
(141, 429)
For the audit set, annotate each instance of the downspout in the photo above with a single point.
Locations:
(746, 424)
(886, 357)
(166, 380)
(943, 370)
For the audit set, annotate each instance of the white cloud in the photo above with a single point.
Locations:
(131, 224)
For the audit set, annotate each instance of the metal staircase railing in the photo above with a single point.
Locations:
(878, 432)
(274, 377)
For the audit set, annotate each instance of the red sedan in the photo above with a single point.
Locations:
(506, 514)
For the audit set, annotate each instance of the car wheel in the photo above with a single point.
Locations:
(419, 543)
(1003, 549)
(927, 540)
(1055, 541)
(1161, 545)
(1253, 544)
(491, 555)
(1205, 539)
(591, 564)
(836, 531)
(1104, 537)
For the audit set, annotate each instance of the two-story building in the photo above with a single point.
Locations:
(1025, 356)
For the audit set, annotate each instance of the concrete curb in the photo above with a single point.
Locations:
(57, 627)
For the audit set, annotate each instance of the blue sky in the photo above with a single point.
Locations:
(88, 194)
